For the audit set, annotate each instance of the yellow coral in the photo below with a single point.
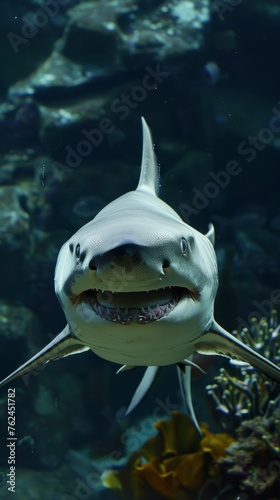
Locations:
(168, 476)
(215, 444)
(175, 460)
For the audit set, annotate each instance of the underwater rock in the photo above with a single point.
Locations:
(100, 58)
(64, 128)
(23, 46)
(18, 167)
(19, 331)
(19, 126)
(6, 174)
(14, 221)
(56, 74)
(168, 31)
(92, 34)
(17, 322)
(161, 31)
(21, 207)
(87, 50)
(173, 464)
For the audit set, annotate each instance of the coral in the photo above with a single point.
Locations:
(248, 406)
(176, 461)
(247, 393)
(254, 459)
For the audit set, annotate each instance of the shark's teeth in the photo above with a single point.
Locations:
(141, 314)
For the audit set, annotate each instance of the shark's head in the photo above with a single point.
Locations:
(138, 263)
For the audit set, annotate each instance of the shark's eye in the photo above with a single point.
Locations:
(78, 251)
(184, 246)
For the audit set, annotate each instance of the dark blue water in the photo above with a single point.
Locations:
(75, 79)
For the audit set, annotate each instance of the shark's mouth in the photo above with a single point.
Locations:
(128, 307)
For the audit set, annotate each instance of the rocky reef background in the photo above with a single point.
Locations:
(75, 78)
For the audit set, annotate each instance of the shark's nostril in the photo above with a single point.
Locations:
(92, 265)
(165, 263)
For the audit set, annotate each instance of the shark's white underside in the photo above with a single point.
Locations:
(137, 286)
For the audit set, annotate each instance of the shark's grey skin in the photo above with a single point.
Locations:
(137, 286)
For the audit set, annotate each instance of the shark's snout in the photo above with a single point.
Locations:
(126, 256)
(129, 259)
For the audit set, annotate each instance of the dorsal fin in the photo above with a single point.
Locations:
(148, 181)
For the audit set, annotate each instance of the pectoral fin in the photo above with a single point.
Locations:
(219, 341)
(62, 345)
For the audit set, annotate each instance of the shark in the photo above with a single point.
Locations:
(137, 286)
